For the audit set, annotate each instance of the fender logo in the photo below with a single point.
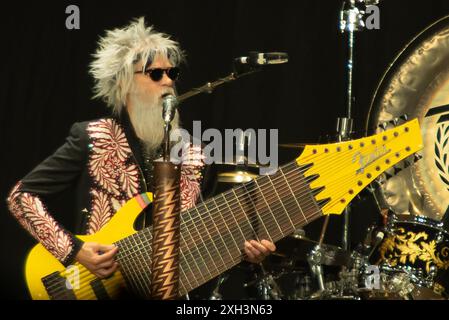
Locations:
(365, 160)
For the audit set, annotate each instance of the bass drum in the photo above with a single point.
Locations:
(417, 84)
(417, 249)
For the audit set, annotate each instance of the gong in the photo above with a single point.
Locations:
(417, 84)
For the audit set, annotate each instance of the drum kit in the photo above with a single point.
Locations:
(406, 256)
(405, 259)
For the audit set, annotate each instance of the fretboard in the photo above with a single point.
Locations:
(212, 234)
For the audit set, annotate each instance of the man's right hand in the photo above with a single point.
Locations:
(98, 258)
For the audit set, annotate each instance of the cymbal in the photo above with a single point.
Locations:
(236, 177)
(242, 164)
(298, 247)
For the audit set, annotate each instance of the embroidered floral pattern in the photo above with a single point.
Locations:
(192, 164)
(101, 211)
(108, 161)
(115, 177)
(32, 215)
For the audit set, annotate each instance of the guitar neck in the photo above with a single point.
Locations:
(213, 233)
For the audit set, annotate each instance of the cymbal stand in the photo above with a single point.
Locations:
(267, 287)
(216, 295)
(314, 258)
(351, 20)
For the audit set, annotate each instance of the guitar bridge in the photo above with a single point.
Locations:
(57, 287)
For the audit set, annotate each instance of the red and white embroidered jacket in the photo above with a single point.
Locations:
(103, 160)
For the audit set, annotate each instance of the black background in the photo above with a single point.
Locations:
(45, 86)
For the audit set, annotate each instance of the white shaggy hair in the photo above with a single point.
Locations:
(118, 52)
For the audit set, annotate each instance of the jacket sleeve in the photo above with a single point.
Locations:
(52, 176)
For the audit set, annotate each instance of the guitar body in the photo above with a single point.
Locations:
(40, 263)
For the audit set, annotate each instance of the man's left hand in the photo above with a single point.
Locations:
(257, 251)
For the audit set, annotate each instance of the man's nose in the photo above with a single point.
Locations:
(166, 81)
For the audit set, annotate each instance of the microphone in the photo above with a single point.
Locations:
(261, 59)
(169, 104)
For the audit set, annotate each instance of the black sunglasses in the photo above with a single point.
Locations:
(156, 74)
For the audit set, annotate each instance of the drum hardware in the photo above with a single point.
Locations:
(392, 286)
(268, 288)
(314, 259)
(265, 285)
(351, 20)
(239, 169)
(299, 234)
(216, 295)
(303, 288)
(325, 255)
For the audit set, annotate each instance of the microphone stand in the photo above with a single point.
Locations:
(210, 86)
(247, 65)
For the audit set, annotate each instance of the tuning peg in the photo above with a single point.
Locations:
(397, 170)
(306, 167)
(417, 157)
(312, 178)
(323, 202)
(407, 164)
(371, 188)
(316, 191)
(394, 122)
(380, 180)
(383, 126)
(404, 117)
(388, 176)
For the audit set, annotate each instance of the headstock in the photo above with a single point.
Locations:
(339, 171)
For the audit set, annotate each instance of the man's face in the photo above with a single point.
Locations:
(144, 104)
(145, 86)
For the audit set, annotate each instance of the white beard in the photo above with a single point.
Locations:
(146, 118)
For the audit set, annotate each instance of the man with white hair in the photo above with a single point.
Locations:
(109, 160)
